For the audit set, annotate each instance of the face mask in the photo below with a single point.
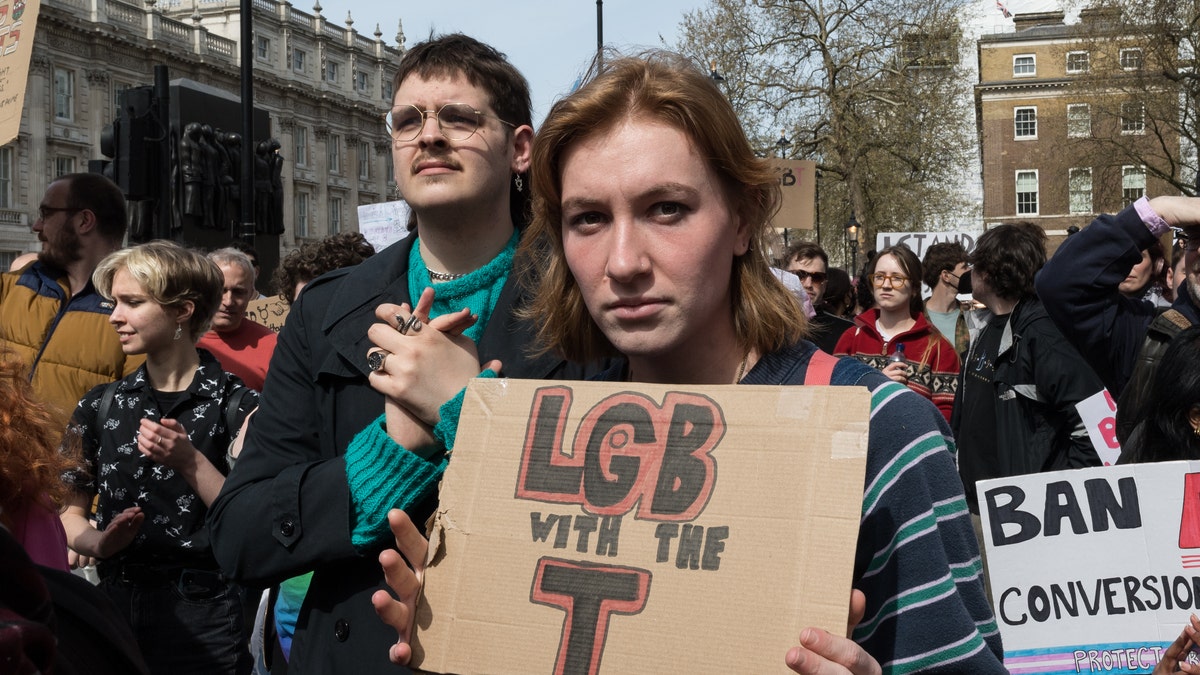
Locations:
(964, 283)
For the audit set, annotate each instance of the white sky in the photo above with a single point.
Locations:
(550, 41)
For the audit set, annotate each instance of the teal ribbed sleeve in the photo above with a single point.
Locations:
(447, 427)
(383, 476)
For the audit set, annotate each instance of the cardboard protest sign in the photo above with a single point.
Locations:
(271, 312)
(1098, 413)
(1093, 570)
(920, 242)
(798, 184)
(18, 18)
(590, 527)
(383, 224)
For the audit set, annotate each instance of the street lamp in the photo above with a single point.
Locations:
(782, 144)
(716, 77)
(852, 241)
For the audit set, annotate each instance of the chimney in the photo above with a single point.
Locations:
(1035, 19)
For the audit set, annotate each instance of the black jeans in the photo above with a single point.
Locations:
(187, 624)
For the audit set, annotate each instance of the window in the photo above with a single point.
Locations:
(335, 215)
(333, 71)
(1027, 192)
(1079, 186)
(1133, 184)
(301, 146)
(1131, 59)
(1024, 65)
(362, 81)
(334, 146)
(63, 166)
(1025, 122)
(301, 214)
(1079, 120)
(364, 160)
(262, 48)
(1133, 117)
(1078, 62)
(119, 89)
(64, 94)
(299, 60)
(387, 91)
(6, 172)
(389, 166)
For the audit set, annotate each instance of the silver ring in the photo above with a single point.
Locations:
(412, 323)
(375, 360)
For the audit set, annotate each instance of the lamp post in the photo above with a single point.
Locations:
(716, 77)
(781, 146)
(852, 242)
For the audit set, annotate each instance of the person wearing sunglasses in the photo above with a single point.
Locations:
(808, 261)
(927, 362)
(51, 316)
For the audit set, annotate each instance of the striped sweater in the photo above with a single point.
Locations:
(917, 560)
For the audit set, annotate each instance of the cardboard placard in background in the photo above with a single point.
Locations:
(1093, 570)
(919, 242)
(592, 527)
(18, 18)
(383, 224)
(798, 183)
(271, 312)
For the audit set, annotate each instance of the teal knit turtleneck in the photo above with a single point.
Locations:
(477, 291)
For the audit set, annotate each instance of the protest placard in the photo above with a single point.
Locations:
(798, 187)
(18, 18)
(1093, 570)
(271, 312)
(919, 242)
(590, 527)
(383, 224)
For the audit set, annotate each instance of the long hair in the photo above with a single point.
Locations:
(911, 264)
(1167, 432)
(171, 275)
(668, 89)
(30, 462)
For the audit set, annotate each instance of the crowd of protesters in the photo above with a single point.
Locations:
(243, 498)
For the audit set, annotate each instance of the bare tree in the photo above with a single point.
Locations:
(870, 90)
(1144, 86)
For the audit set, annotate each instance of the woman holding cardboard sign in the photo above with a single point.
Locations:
(650, 213)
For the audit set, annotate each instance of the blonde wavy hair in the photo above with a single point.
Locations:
(171, 275)
(669, 89)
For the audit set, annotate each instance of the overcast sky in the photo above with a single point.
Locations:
(550, 41)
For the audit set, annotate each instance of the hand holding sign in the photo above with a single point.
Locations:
(1175, 659)
(822, 653)
(405, 580)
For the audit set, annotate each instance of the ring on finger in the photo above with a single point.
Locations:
(376, 359)
(412, 323)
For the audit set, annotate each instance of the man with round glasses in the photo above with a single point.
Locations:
(808, 261)
(50, 314)
(350, 424)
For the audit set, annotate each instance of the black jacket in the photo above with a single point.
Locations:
(1079, 288)
(1038, 380)
(285, 508)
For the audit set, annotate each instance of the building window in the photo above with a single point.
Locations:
(1027, 192)
(387, 90)
(6, 172)
(299, 60)
(64, 94)
(301, 146)
(119, 89)
(364, 160)
(1133, 117)
(1025, 122)
(335, 215)
(1079, 185)
(1133, 184)
(334, 146)
(389, 166)
(1078, 62)
(301, 214)
(1024, 65)
(1079, 120)
(1131, 59)
(333, 71)
(262, 48)
(362, 81)
(63, 166)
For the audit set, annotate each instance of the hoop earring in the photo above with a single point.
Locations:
(178, 331)
(519, 183)
(1196, 430)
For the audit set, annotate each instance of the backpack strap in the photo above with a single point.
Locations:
(232, 405)
(106, 400)
(820, 368)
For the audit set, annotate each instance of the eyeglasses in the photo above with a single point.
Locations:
(456, 121)
(45, 212)
(896, 280)
(817, 277)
